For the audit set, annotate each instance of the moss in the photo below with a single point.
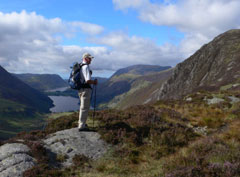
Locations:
(61, 158)
(226, 87)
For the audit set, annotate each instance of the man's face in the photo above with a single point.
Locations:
(88, 60)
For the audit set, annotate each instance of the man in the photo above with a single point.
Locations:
(85, 92)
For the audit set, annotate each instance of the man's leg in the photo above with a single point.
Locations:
(85, 96)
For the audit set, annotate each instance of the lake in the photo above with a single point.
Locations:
(61, 89)
(64, 104)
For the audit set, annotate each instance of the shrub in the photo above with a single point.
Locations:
(62, 123)
(208, 157)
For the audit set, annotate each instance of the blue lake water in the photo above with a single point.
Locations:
(64, 104)
(61, 89)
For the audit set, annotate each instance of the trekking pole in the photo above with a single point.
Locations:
(94, 109)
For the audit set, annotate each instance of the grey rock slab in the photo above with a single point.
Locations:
(14, 160)
(215, 100)
(234, 99)
(17, 170)
(14, 148)
(71, 142)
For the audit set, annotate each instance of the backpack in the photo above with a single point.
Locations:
(75, 81)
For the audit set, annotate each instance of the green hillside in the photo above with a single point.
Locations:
(21, 106)
(43, 82)
(141, 90)
(125, 82)
(15, 90)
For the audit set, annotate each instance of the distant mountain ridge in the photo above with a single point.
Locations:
(124, 82)
(140, 69)
(15, 90)
(100, 79)
(21, 106)
(142, 90)
(42, 82)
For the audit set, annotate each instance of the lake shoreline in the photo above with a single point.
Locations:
(64, 104)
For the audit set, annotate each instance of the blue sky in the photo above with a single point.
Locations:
(47, 36)
(98, 12)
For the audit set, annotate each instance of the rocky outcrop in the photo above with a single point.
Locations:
(215, 65)
(66, 144)
(14, 160)
(61, 148)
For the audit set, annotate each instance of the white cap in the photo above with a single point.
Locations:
(87, 55)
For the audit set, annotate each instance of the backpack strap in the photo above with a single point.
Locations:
(82, 64)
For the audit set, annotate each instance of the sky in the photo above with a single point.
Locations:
(47, 36)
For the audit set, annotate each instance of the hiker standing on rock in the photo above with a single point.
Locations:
(85, 92)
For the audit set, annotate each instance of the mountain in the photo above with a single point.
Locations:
(20, 105)
(141, 90)
(42, 82)
(100, 79)
(13, 89)
(126, 81)
(215, 66)
(140, 70)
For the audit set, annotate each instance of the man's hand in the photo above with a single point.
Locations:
(94, 82)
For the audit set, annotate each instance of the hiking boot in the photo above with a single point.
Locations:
(84, 129)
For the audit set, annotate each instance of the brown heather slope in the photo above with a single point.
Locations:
(214, 66)
(175, 138)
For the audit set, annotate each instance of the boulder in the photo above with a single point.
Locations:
(14, 160)
(68, 143)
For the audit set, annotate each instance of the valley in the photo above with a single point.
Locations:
(158, 121)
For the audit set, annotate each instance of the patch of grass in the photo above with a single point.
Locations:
(11, 125)
(233, 132)
(7, 105)
(57, 115)
(211, 156)
(61, 158)
(208, 157)
(62, 123)
(226, 87)
(200, 114)
(139, 131)
(81, 161)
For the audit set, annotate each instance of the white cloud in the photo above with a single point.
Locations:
(127, 50)
(199, 20)
(88, 28)
(202, 15)
(31, 43)
(123, 4)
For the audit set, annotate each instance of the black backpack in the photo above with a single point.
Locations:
(74, 80)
